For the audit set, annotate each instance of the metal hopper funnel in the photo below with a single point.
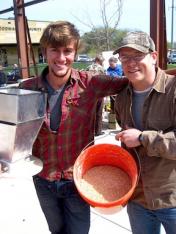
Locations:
(21, 116)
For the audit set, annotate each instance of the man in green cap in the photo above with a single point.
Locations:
(146, 111)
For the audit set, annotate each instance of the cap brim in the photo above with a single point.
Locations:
(133, 46)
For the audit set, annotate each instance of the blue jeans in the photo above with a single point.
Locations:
(149, 221)
(65, 211)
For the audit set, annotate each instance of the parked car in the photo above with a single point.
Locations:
(172, 58)
(83, 58)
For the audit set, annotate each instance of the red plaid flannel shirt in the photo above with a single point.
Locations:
(59, 150)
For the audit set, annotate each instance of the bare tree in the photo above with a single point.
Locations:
(110, 13)
(108, 20)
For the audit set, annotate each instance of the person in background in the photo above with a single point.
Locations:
(97, 68)
(68, 126)
(14, 75)
(114, 69)
(3, 78)
(146, 112)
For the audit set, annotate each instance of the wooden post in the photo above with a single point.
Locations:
(158, 30)
(20, 24)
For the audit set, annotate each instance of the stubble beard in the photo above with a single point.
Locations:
(67, 73)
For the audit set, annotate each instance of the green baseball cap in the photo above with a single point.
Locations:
(140, 41)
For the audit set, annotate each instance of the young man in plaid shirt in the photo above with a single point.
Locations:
(68, 127)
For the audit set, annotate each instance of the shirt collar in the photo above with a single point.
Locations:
(159, 83)
(74, 77)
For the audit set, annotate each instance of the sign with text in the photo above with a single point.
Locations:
(8, 34)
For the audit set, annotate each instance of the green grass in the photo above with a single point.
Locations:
(40, 67)
(81, 65)
(171, 66)
(76, 65)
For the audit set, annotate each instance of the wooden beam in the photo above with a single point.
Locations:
(20, 25)
(158, 30)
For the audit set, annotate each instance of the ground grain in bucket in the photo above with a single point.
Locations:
(105, 183)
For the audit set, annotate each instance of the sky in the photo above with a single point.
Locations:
(135, 13)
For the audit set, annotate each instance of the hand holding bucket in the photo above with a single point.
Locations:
(109, 155)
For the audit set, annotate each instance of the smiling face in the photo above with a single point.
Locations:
(60, 62)
(138, 67)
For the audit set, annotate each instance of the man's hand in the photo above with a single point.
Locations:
(129, 137)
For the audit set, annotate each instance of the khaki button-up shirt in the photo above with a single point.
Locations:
(157, 183)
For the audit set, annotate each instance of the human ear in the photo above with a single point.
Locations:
(154, 56)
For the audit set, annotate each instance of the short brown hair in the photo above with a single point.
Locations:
(59, 33)
(113, 59)
(99, 58)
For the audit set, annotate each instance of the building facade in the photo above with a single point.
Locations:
(8, 42)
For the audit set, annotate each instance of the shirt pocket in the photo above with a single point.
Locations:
(164, 125)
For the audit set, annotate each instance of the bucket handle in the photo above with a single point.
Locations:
(134, 149)
(139, 163)
(90, 143)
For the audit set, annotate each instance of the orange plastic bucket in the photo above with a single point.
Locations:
(105, 154)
